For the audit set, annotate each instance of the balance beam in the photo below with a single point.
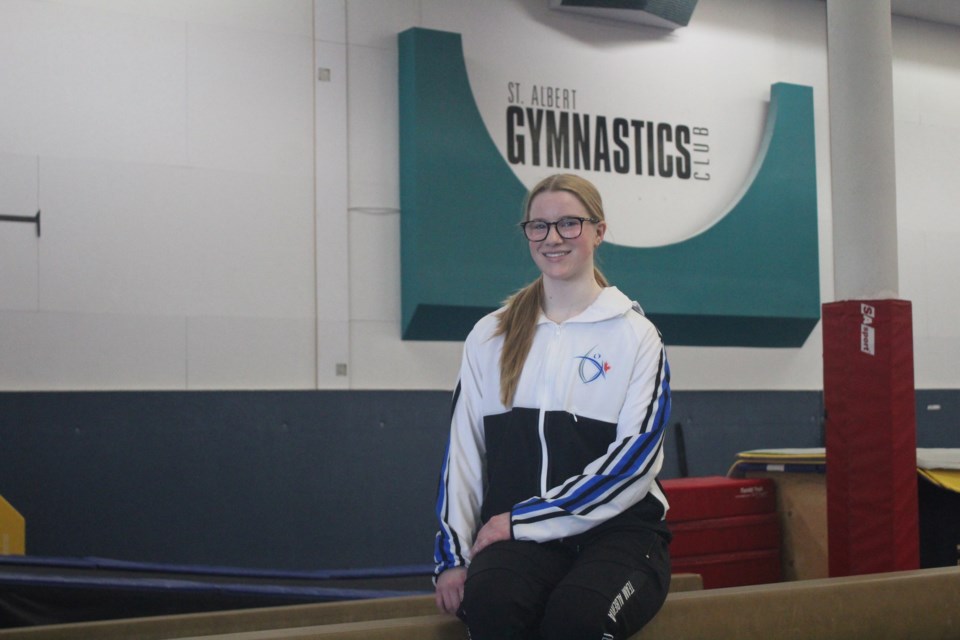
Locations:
(266, 618)
(921, 605)
(225, 622)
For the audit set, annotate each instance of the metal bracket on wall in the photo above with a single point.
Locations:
(34, 219)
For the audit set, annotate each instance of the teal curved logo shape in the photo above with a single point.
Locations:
(751, 279)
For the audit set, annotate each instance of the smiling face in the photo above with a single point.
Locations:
(559, 258)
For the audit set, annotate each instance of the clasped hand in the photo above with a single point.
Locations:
(450, 583)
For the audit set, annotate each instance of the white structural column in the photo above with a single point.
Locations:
(862, 149)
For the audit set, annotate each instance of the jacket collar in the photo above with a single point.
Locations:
(611, 303)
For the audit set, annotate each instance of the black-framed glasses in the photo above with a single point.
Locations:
(568, 228)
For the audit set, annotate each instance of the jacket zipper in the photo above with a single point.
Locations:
(547, 384)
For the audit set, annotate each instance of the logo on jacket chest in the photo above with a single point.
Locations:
(592, 366)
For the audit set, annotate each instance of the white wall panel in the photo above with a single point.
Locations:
(375, 266)
(251, 240)
(915, 283)
(113, 87)
(18, 266)
(19, 188)
(59, 351)
(380, 360)
(23, 26)
(942, 269)
(694, 368)
(927, 167)
(330, 20)
(926, 72)
(908, 72)
(250, 353)
(935, 362)
(149, 239)
(376, 23)
(289, 17)
(374, 129)
(250, 104)
(164, 9)
(91, 83)
(114, 238)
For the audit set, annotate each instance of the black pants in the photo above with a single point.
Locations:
(606, 588)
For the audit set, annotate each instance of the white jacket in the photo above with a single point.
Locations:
(580, 447)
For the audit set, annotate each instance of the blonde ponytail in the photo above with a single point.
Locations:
(517, 324)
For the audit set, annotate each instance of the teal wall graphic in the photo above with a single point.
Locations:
(752, 279)
(669, 13)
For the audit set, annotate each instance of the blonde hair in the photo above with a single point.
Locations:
(518, 321)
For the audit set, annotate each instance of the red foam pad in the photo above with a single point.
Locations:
(718, 497)
(868, 392)
(725, 535)
(732, 569)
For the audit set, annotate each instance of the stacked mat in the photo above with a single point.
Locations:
(725, 529)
